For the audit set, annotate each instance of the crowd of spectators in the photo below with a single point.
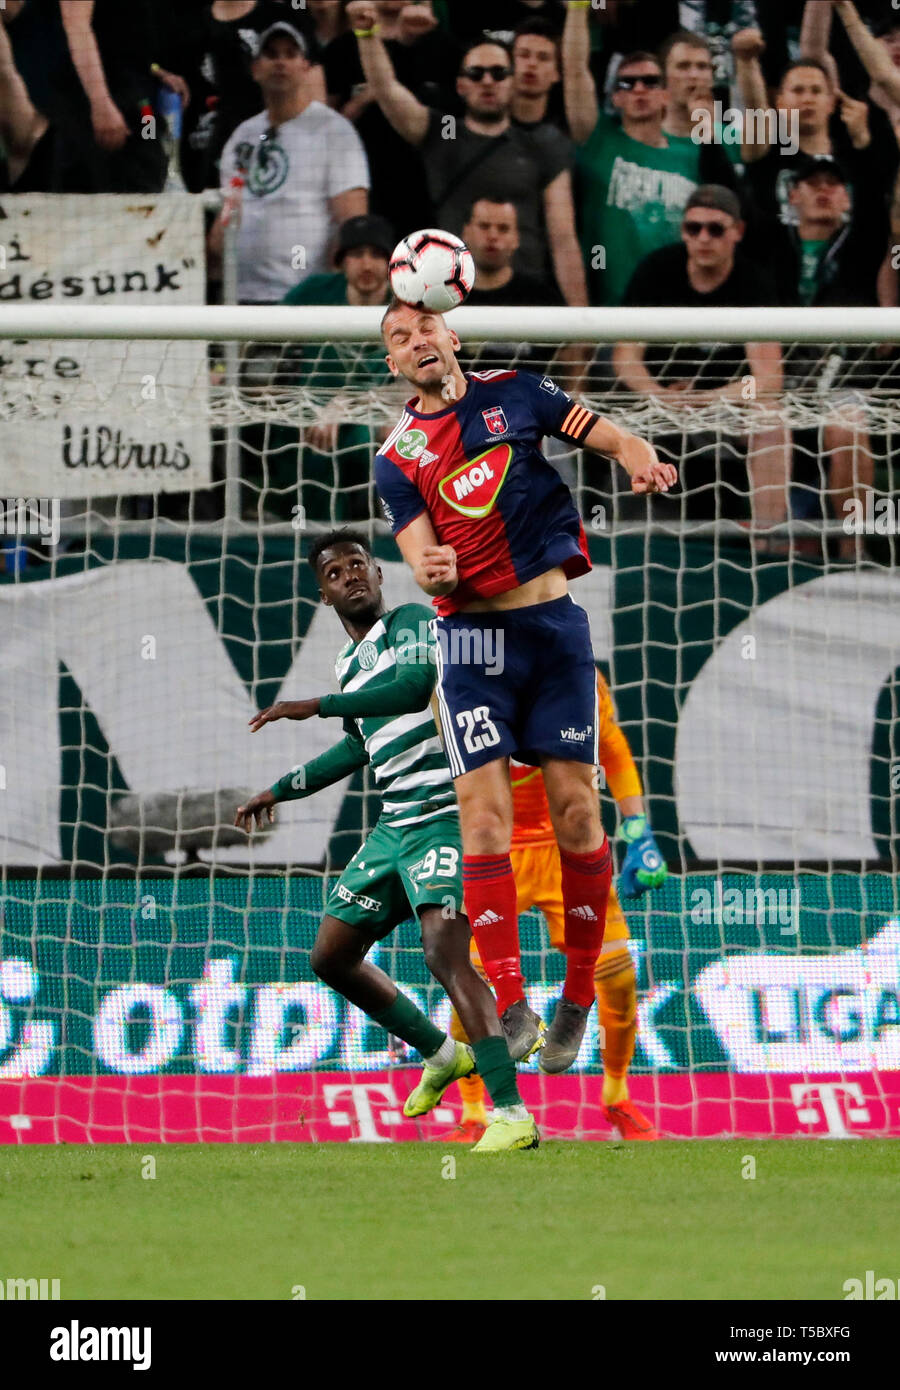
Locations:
(639, 152)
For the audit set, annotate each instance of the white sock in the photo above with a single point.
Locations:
(444, 1055)
(511, 1112)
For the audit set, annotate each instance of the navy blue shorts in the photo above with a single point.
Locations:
(519, 682)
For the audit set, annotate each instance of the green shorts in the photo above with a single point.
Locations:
(397, 871)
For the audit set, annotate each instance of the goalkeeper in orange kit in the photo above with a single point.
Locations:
(536, 867)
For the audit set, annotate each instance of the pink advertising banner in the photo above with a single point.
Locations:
(367, 1107)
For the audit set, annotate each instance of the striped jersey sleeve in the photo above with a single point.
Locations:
(555, 412)
(405, 751)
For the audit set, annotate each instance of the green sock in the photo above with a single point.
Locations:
(497, 1070)
(405, 1021)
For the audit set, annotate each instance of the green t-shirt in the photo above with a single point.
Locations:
(632, 200)
(328, 288)
(810, 261)
(334, 365)
(731, 149)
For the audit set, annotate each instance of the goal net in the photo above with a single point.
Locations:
(154, 965)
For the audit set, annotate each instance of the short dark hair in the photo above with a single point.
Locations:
(681, 36)
(328, 539)
(805, 63)
(640, 55)
(494, 198)
(539, 28)
(480, 43)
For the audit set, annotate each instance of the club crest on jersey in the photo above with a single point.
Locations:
(495, 420)
(473, 488)
(367, 655)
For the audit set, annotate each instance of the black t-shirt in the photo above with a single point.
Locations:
(128, 42)
(555, 114)
(39, 174)
(39, 51)
(469, 19)
(427, 68)
(661, 281)
(513, 167)
(769, 178)
(229, 48)
(521, 291)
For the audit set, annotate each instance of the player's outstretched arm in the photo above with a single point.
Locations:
(285, 709)
(636, 456)
(433, 565)
(332, 766)
(407, 692)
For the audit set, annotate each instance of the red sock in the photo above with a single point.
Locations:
(585, 886)
(490, 894)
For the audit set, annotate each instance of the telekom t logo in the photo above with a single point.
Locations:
(806, 1097)
(359, 1095)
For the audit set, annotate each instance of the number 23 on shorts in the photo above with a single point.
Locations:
(479, 729)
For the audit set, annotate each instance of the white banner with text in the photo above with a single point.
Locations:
(94, 417)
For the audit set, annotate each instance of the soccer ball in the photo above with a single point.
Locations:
(433, 269)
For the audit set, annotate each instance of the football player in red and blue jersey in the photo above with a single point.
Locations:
(491, 532)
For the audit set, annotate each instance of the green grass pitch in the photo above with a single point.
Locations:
(356, 1221)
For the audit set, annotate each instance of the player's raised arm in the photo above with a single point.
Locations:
(407, 692)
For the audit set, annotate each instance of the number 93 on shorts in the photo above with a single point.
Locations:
(398, 871)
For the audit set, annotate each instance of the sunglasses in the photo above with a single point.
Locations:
(628, 84)
(496, 72)
(715, 229)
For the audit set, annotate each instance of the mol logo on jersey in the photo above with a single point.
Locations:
(473, 489)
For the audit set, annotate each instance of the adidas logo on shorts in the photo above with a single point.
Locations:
(487, 919)
(586, 913)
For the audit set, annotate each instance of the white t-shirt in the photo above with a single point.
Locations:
(289, 178)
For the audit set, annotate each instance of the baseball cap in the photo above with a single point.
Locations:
(818, 164)
(281, 26)
(716, 195)
(364, 230)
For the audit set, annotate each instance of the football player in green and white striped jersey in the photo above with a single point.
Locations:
(411, 863)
